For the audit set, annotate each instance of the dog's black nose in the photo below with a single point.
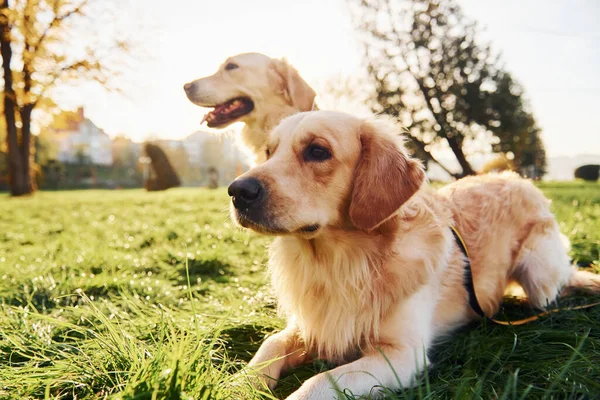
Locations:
(188, 86)
(245, 192)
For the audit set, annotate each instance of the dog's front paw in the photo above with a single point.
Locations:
(297, 395)
(304, 395)
(316, 388)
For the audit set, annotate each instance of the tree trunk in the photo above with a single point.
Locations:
(460, 156)
(18, 165)
(455, 145)
(26, 154)
(430, 157)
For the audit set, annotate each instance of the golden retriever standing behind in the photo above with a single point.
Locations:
(365, 261)
(254, 89)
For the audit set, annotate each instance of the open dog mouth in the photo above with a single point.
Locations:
(228, 112)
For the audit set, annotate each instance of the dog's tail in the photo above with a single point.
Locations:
(584, 281)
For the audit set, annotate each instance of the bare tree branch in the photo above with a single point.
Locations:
(57, 20)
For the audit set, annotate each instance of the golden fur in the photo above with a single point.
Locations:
(365, 260)
(275, 87)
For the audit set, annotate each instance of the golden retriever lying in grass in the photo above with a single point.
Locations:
(365, 263)
(254, 89)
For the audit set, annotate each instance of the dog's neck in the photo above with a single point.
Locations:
(336, 287)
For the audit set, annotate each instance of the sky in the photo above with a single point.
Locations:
(552, 47)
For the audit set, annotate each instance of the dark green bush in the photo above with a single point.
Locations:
(589, 172)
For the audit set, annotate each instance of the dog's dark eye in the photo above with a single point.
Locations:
(231, 66)
(268, 153)
(317, 153)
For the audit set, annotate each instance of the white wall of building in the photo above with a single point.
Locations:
(90, 140)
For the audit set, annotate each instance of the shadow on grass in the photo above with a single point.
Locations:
(46, 298)
(243, 341)
(212, 268)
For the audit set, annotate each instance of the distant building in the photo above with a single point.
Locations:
(213, 149)
(77, 139)
(194, 146)
(207, 150)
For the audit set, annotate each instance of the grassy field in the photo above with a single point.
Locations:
(135, 295)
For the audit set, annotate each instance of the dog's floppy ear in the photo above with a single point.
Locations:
(385, 177)
(288, 81)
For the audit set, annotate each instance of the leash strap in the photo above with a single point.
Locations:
(472, 295)
(468, 276)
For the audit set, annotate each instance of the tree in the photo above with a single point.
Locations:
(41, 44)
(164, 176)
(428, 69)
(3, 155)
(588, 172)
(354, 94)
(519, 136)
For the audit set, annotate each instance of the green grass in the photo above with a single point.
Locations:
(135, 295)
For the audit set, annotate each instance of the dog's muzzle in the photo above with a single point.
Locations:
(249, 197)
(190, 90)
(246, 193)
